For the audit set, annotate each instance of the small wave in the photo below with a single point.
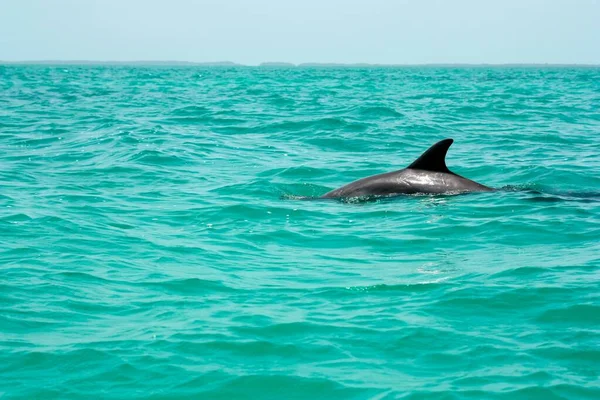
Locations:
(189, 114)
(421, 287)
(156, 157)
(297, 197)
(16, 218)
(522, 272)
(190, 286)
(277, 386)
(580, 314)
(380, 112)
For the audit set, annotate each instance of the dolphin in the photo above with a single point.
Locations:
(427, 175)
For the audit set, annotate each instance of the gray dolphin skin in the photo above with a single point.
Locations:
(427, 175)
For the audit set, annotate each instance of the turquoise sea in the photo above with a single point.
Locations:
(152, 245)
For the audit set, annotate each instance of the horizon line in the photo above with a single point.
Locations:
(282, 64)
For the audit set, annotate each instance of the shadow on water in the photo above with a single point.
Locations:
(551, 195)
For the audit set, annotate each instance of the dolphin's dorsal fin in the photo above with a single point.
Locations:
(434, 159)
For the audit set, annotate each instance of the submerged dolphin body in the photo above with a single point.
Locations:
(428, 175)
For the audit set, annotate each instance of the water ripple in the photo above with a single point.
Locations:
(153, 243)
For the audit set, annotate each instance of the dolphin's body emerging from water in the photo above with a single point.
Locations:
(427, 175)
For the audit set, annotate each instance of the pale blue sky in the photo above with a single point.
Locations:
(252, 31)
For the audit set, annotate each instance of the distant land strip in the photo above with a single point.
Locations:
(272, 64)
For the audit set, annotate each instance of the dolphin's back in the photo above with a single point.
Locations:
(376, 185)
(427, 174)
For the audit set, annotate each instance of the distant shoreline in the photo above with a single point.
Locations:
(283, 64)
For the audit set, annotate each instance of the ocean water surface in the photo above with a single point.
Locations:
(152, 247)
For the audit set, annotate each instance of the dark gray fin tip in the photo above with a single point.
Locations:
(434, 159)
